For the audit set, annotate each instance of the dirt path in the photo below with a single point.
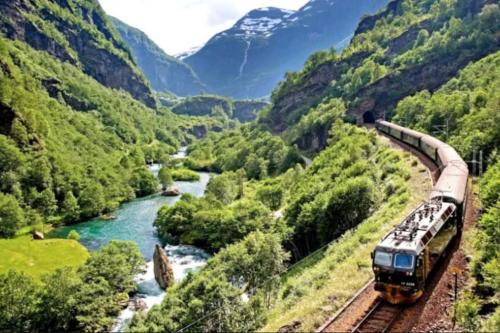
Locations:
(433, 312)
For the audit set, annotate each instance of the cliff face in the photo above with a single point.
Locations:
(249, 59)
(77, 32)
(165, 72)
(372, 80)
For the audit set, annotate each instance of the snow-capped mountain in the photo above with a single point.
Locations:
(250, 58)
(260, 22)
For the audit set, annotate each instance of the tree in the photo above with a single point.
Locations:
(117, 263)
(19, 300)
(255, 260)
(11, 215)
(271, 196)
(96, 307)
(74, 235)
(19, 133)
(143, 182)
(11, 157)
(58, 300)
(165, 178)
(422, 37)
(46, 202)
(91, 200)
(256, 167)
(70, 208)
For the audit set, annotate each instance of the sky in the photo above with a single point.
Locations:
(179, 25)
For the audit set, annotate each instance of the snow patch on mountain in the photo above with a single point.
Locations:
(188, 53)
(261, 22)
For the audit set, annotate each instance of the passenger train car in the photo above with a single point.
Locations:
(403, 260)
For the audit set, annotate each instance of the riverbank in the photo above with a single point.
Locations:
(36, 258)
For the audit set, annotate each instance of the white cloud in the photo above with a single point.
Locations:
(178, 25)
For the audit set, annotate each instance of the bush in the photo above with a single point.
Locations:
(11, 215)
(74, 235)
(184, 175)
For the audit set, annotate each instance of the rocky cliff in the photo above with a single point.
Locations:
(164, 273)
(80, 33)
(250, 58)
(382, 66)
(165, 72)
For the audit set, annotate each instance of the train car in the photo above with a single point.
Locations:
(422, 237)
(403, 260)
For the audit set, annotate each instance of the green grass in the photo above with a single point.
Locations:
(318, 286)
(36, 258)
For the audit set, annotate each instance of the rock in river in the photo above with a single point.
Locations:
(171, 192)
(164, 273)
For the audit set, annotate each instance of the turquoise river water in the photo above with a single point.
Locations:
(134, 221)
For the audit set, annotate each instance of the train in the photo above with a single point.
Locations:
(408, 254)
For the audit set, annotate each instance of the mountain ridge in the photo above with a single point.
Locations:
(250, 58)
(78, 33)
(165, 72)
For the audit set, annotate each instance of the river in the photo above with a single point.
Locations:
(134, 221)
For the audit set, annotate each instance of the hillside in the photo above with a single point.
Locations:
(71, 147)
(217, 106)
(249, 59)
(394, 54)
(80, 34)
(165, 72)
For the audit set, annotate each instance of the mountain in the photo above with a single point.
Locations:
(79, 34)
(208, 105)
(165, 72)
(75, 128)
(249, 59)
(394, 54)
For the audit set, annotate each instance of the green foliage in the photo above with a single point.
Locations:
(467, 105)
(380, 62)
(143, 182)
(18, 302)
(200, 221)
(117, 263)
(75, 148)
(11, 215)
(183, 174)
(165, 177)
(87, 299)
(486, 263)
(271, 196)
(250, 147)
(467, 311)
(74, 235)
(58, 300)
(247, 266)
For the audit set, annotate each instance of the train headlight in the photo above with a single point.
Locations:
(409, 273)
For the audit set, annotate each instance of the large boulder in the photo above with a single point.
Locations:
(37, 235)
(164, 273)
(172, 191)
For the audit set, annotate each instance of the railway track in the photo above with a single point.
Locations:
(379, 318)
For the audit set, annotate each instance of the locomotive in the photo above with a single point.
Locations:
(406, 256)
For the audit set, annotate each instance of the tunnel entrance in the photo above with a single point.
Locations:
(368, 117)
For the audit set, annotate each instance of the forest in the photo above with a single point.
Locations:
(275, 223)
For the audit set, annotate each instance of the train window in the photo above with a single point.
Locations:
(403, 261)
(383, 259)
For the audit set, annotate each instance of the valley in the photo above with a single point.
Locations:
(254, 163)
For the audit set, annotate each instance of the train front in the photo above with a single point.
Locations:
(396, 275)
